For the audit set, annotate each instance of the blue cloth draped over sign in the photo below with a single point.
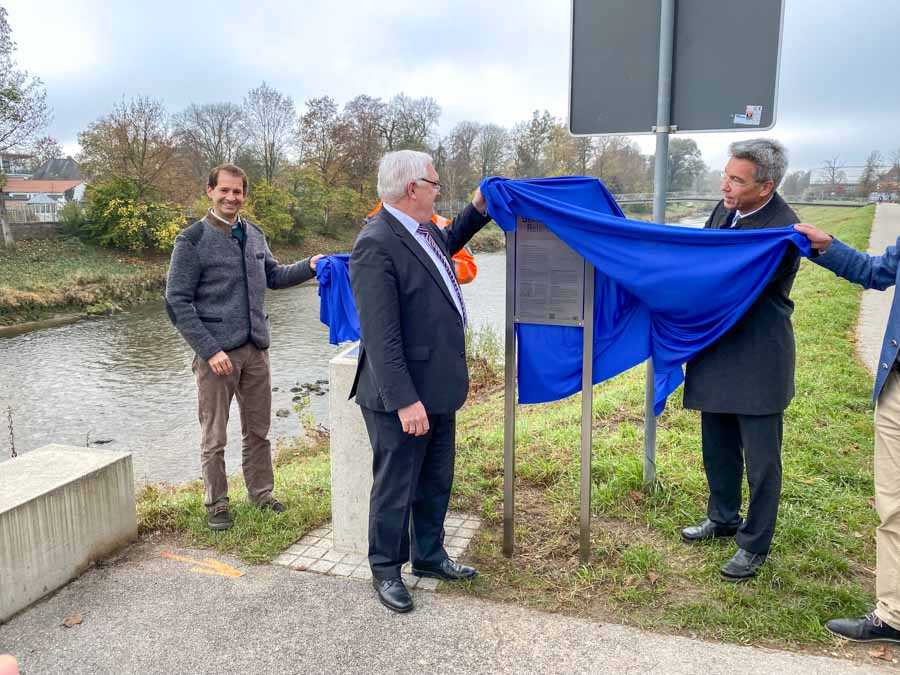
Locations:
(661, 291)
(337, 310)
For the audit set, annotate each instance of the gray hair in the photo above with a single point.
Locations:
(769, 158)
(397, 169)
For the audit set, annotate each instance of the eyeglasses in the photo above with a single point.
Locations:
(436, 184)
(734, 181)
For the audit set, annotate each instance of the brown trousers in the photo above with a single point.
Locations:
(887, 501)
(251, 383)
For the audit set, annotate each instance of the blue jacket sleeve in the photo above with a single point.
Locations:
(869, 271)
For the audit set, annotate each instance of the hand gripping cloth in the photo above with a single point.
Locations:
(662, 292)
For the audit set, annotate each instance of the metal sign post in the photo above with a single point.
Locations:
(509, 403)
(546, 283)
(613, 81)
(660, 189)
(587, 413)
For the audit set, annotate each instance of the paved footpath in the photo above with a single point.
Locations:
(146, 613)
(876, 305)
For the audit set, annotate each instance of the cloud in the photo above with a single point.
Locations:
(489, 62)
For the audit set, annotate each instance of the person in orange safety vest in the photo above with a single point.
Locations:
(463, 262)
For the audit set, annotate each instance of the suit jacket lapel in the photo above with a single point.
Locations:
(416, 249)
(763, 217)
(722, 217)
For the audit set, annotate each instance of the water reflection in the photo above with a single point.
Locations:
(127, 378)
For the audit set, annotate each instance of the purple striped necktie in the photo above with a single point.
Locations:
(424, 231)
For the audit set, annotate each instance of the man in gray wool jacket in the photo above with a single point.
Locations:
(215, 296)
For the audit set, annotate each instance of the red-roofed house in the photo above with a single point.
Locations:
(39, 199)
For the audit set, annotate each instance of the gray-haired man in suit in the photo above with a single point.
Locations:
(742, 383)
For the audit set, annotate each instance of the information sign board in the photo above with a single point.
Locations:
(549, 277)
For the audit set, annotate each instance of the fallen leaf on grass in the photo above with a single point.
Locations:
(872, 502)
(635, 495)
(72, 620)
(882, 653)
(652, 577)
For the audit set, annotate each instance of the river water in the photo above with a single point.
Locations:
(125, 382)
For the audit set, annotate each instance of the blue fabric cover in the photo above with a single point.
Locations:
(660, 290)
(337, 310)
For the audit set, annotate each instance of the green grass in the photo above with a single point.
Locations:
(822, 561)
(302, 484)
(823, 555)
(45, 277)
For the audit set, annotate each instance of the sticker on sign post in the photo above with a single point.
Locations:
(751, 117)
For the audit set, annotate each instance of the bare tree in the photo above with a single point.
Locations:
(530, 141)
(834, 174)
(23, 109)
(211, 134)
(44, 149)
(363, 116)
(409, 123)
(584, 153)
(491, 149)
(269, 119)
(619, 164)
(868, 181)
(23, 99)
(321, 136)
(136, 142)
(459, 173)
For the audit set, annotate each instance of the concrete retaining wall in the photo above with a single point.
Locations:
(61, 508)
(351, 459)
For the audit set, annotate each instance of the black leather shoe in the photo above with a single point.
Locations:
(707, 530)
(273, 504)
(742, 565)
(867, 629)
(446, 571)
(393, 594)
(219, 518)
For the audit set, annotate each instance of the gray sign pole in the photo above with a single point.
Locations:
(509, 403)
(587, 399)
(660, 190)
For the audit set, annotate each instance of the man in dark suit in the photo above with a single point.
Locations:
(412, 375)
(743, 382)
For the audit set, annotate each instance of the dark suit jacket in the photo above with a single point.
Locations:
(750, 369)
(413, 340)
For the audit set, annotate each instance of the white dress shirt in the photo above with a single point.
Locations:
(412, 226)
(738, 215)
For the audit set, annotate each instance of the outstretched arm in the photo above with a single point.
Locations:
(869, 271)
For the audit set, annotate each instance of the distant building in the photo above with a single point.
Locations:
(58, 169)
(23, 189)
(29, 200)
(14, 165)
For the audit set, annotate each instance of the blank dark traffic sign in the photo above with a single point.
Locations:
(725, 67)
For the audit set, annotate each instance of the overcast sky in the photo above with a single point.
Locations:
(484, 61)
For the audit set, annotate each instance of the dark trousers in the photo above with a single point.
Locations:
(729, 442)
(410, 492)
